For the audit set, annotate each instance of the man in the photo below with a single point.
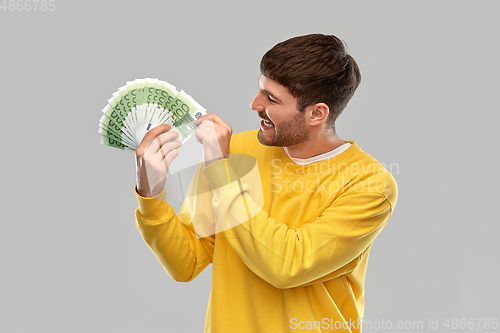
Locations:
(295, 261)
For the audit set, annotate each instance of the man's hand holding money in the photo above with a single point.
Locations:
(215, 135)
(154, 155)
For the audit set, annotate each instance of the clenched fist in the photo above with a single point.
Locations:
(215, 135)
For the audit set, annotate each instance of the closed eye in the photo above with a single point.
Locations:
(271, 97)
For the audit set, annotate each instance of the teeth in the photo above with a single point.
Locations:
(268, 123)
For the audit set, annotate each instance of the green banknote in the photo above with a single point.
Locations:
(143, 104)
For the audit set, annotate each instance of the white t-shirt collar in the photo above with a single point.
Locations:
(321, 157)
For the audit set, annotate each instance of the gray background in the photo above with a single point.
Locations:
(71, 258)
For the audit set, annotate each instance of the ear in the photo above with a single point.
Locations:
(319, 113)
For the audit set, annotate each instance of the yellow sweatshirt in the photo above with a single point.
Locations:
(293, 262)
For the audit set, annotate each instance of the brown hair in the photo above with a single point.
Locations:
(314, 68)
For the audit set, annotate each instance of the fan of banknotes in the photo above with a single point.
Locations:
(143, 104)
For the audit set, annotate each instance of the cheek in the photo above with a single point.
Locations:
(275, 116)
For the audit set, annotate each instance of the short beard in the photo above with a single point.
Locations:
(287, 134)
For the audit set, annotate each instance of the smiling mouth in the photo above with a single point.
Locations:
(267, 123)
(265, 120)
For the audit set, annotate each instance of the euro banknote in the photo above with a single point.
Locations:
(140, 106)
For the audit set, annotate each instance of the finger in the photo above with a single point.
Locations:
(154, 132)
(202, 118)
(161, 147)
(217, 121)
(157, 172)
(170, 157)
(197, 134)
(215, 129)
(208, 126)
(169, 146)
(207, 137)
(209, 117)
(164, 150)
(205, 121)
(154, 146)
(203, 135)
(150, 135)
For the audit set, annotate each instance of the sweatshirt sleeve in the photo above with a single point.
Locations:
(328, 247)
(172, 238)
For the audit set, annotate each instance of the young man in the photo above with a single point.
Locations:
(294, 260)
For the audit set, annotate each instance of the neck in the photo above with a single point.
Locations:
(317, 144)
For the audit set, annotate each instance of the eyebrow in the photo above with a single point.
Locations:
(270, 94)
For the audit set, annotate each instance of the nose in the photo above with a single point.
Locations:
(257, 104)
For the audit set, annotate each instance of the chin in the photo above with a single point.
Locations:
(264, 142)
